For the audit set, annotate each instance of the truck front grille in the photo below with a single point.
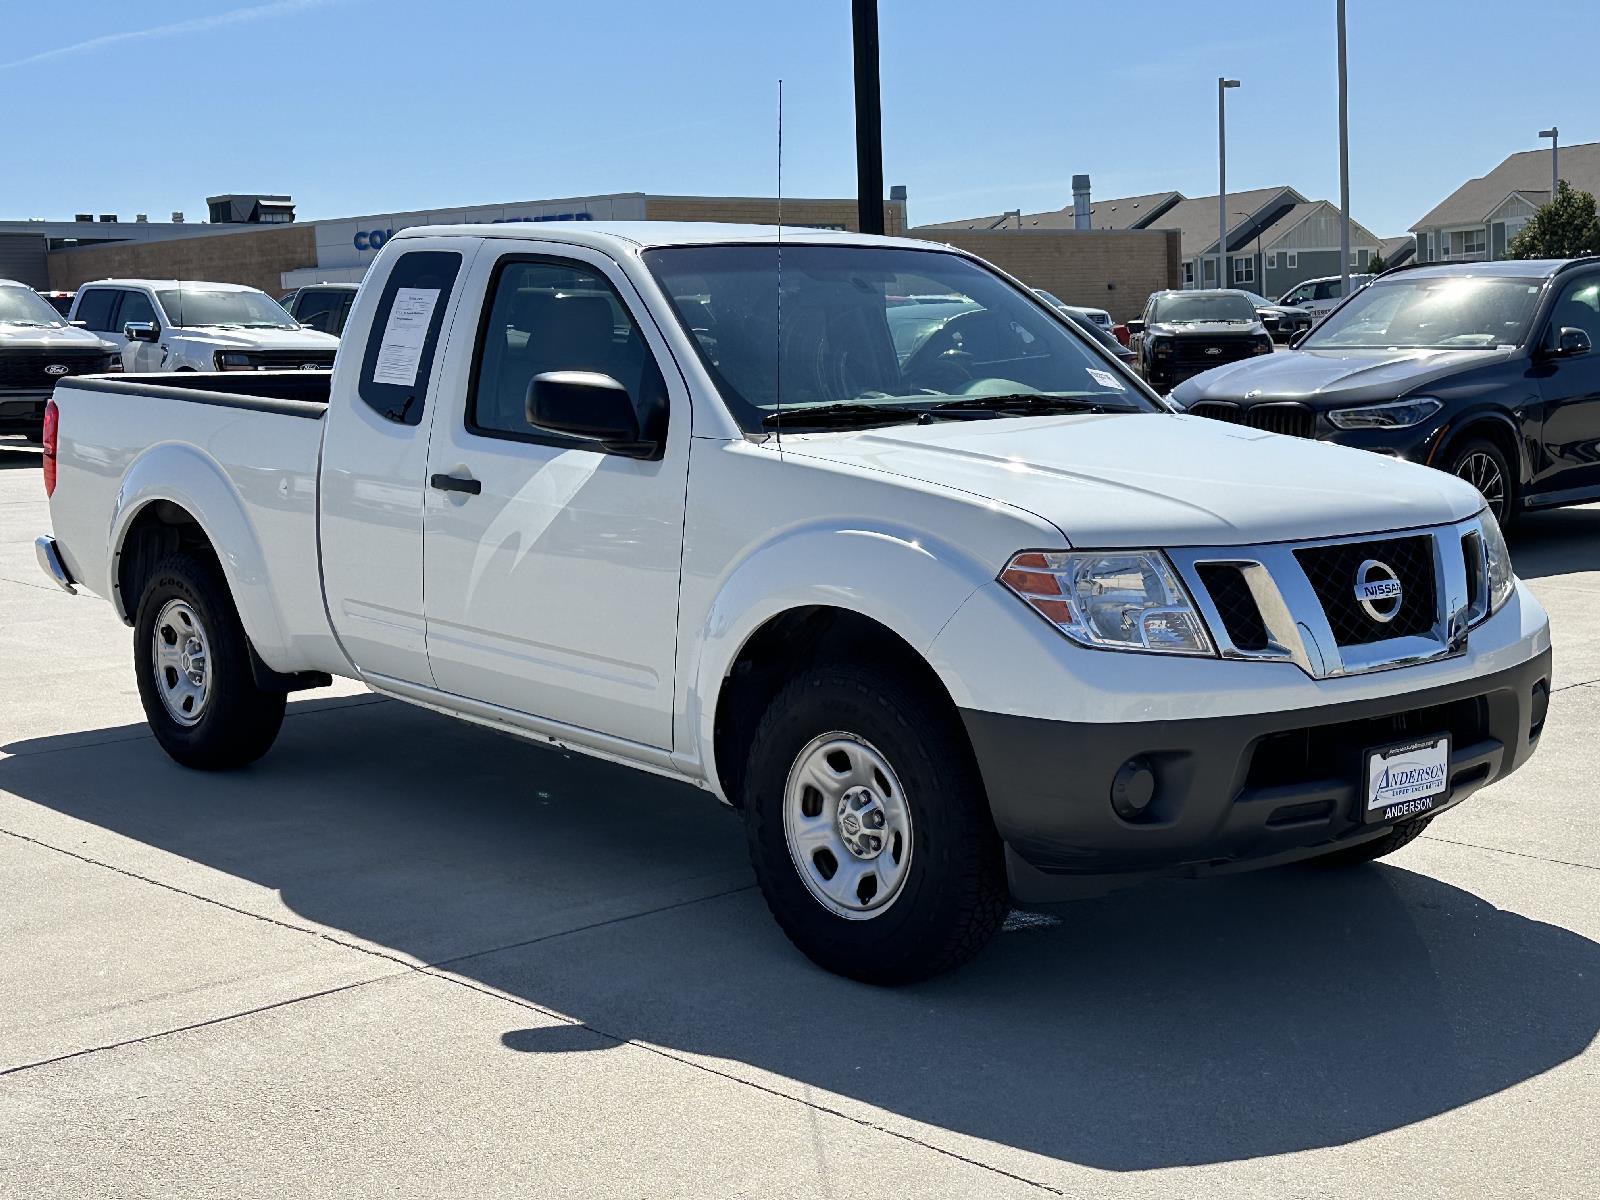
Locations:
(1332, 571)
(289, 360)
(1213, 351)
(31, 368)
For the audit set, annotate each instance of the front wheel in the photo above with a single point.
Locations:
(869, 830)
(1483, 464)
(192, 660)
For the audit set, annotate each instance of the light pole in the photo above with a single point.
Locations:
(1222, 180)
(869, 117)
(1344, 164)
(1554, 135)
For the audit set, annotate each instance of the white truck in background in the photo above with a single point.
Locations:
(186, 325)
(856, 533)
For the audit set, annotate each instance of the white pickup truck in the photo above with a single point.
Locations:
(857, 533)
(187, 325)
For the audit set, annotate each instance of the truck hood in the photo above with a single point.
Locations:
(257, 339)
(1154, 479)
(1205, 329)
(58, 337)
(1326, 379)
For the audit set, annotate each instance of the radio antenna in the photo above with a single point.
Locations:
(778, 374)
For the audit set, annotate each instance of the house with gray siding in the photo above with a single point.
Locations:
(1275, 236)
(1478, 220)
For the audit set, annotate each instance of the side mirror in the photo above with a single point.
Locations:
(1298, 338)
(1135, 326)
(590, 406)
(142, 331)
(1572, 342)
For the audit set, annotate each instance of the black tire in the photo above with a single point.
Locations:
(1467, 460)
(1366, 852)
(237, 721)
(953, 897)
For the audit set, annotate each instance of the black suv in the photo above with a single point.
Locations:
(1486, 370)
(1185, 333)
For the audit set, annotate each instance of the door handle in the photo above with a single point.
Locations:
(455, 483)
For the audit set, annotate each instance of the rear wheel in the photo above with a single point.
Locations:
(869, 830)
(192, 660)
(1483, 464)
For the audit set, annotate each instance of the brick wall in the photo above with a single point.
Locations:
(1113, 269)
(256, 257)
(763, 210)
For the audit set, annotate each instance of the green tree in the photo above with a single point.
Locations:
(1565, 228)
(1376, 264)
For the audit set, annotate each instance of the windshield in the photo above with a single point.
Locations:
(190, 306)
(1403, 313)
(1179, 308)
(24, 306)
(1258, 301)
(891, 333)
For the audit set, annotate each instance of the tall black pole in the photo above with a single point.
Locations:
(869, 118)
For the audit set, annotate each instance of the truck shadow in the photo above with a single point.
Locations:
(1182, 1023)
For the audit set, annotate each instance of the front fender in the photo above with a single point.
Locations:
(896, 577)
(193, 481)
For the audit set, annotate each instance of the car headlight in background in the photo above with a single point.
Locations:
(1160, 347)
(1116, 600)
(1263, 345)
(233, 360)
(1397, 414)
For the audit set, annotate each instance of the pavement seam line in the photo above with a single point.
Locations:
(1559, 862)
(161, 1033)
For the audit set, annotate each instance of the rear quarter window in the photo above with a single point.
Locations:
(425, 276)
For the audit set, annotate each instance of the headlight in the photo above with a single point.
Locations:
(1397, 414)
(1263, 345)
(1498, 563)
(1160, 346)
(1117, 600)
(232, 360)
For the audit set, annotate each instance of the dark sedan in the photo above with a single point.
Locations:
(1284, 322)
(1486, 370)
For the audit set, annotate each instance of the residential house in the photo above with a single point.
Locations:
(1478, 220)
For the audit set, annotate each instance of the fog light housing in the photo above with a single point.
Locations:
(1538, 709)
(1133, 787)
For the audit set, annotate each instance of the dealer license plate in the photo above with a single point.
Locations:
(1407, 780)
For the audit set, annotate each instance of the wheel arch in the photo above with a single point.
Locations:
(790, 641)
(175, 497)
(1494, 426)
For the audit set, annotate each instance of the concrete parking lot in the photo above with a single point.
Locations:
(406, 956)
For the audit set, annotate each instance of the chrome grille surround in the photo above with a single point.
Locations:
(1299, 629)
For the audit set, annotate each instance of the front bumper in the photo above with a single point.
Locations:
(1234, 791)
(23, 411)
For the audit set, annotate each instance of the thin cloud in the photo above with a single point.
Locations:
(237, 16)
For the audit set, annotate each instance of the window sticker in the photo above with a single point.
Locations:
(1106, 379)
(403, 338)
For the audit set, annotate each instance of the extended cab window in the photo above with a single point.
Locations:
(549, 316)
(405, 333)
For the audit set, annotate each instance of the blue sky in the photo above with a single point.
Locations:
(366, 106)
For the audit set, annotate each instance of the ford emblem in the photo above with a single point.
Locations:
(56, 369)
(1213, 349)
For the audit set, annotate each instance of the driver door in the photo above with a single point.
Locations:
(1570, 390)
(551, 564)
(138, 355)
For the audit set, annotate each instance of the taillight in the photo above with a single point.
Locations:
(52, 425)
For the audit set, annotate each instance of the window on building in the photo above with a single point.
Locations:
(1272, 262)
(1294, 260)
(1465, 242)
(1363, 257)
(1244, 270)
(1188, 274)
(1432, 251)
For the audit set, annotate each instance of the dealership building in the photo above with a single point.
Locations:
(258, 246)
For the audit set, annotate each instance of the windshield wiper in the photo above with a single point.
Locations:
(839, 416)
(1032, 402)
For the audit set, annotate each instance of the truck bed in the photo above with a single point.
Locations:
(238, 450)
